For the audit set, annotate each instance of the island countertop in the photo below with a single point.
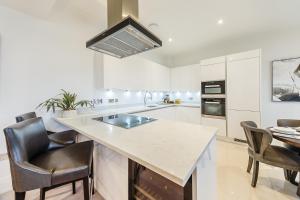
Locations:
(171, 149)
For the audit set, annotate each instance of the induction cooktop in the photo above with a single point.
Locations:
(125, 120)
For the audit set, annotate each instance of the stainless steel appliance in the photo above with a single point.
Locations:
(214, 107)
(213, 88)
(125, 36)
(125, 120)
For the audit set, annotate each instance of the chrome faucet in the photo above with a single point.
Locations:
(146, 98)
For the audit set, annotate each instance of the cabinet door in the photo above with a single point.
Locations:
(164, 113)
(125, 73)
(236, 117)
(135, 73)
(213, 72)
(160, 78)
(218, 123)
(186, 78)
(243, 84)
(188, 114)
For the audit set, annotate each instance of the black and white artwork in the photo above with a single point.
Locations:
(286, 80)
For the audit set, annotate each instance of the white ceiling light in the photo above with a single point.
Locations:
(220, 21)
(170, 40)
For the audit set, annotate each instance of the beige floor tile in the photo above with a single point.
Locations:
(233, 182)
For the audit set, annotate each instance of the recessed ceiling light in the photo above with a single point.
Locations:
(170, 40)
(220, 21)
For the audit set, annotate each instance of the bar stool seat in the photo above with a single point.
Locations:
(64, 138)
(66, 164)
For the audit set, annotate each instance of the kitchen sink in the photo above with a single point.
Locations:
(152, 106)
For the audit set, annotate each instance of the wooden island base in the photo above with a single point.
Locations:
(148, 185)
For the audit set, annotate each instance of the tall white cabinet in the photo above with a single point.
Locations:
(243, 91)
(214, 69)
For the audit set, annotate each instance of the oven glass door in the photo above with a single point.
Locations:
(213, 87)
(213, 107)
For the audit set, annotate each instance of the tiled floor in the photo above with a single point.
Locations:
(62, 193)
(232, 179)
(234, 183)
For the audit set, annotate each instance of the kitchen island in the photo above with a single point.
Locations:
(179, 152)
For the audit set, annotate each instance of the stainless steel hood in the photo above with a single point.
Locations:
(125, 36)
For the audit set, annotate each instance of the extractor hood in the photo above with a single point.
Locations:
(125, 36)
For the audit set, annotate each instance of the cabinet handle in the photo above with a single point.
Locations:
(211, 102)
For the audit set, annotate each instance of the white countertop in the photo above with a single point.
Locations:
(134, 109)
(171, 149)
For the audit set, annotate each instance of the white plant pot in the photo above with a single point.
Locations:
(69, 113)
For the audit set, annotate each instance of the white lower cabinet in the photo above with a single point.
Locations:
(164, 113)
(188, 114)
(235, 117)
(218, 123)
(176, 113)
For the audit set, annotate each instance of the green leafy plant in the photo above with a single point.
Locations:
(66, 102)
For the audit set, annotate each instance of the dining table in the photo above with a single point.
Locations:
(289, 175)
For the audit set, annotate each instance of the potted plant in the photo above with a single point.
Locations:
(66, 103)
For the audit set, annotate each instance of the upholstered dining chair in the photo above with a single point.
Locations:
(35, 164)
(64, 138)
(261, 150)
(290, 175)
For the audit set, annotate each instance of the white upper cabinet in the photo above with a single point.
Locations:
(213, 69)
(244, 55)
(243, 81)
(132, 73)
(186, 78)
(160, 77)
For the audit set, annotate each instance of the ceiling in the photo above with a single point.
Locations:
(191, 24)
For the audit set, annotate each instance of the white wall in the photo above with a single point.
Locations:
(274, 45)
(38, 58)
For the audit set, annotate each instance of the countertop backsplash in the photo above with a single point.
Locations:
(116, 98)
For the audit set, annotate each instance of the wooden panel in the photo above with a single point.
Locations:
(148, 185)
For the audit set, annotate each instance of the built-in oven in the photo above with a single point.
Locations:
(213, 87)
(214, 107)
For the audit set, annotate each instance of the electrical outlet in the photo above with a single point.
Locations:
(111, 100)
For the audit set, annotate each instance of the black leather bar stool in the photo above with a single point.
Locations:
(34, 163)
(64, 138)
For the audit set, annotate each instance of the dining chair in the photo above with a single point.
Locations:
(290, 175)
(261, 150)
(35, 164)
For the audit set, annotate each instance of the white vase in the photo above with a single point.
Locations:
(69, 113)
